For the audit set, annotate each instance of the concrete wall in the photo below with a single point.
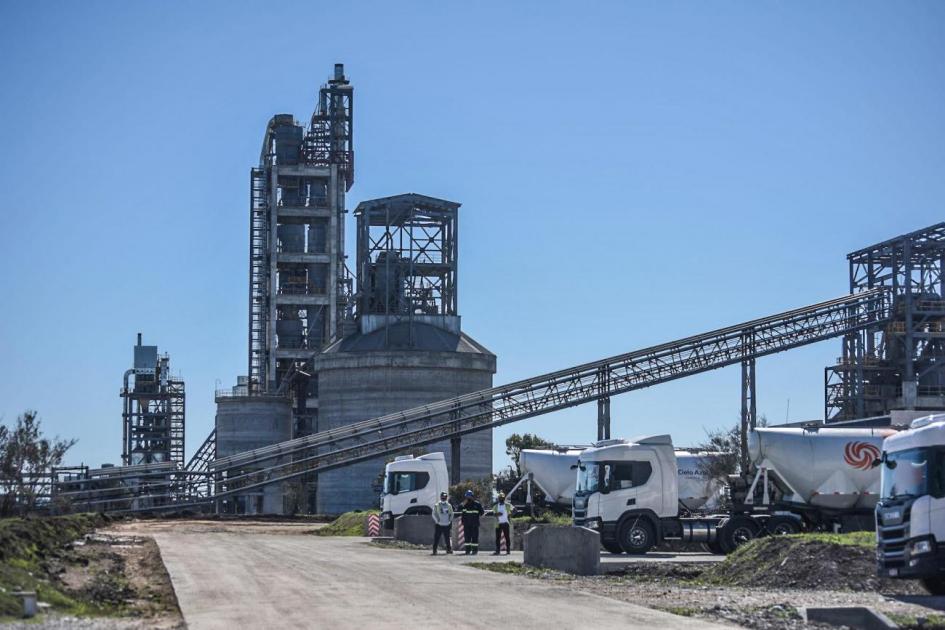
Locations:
(417, 530)
(355, 386)
(571, 549)
(245, 423)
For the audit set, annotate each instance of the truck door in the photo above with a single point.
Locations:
(631, 485)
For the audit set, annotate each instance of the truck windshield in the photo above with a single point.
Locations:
(587, 479)
(913, 472)
(398, 482)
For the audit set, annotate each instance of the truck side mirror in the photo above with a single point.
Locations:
(876, 462)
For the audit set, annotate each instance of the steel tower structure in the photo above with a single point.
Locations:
(299, 288)
(895, 364)
(152, 410)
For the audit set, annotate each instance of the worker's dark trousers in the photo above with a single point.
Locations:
(444, 531)
(502, 529)
(471, 535)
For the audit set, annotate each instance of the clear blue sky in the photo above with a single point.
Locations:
(630, 173)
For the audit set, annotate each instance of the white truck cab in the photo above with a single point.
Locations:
(910, 516)
(625, 489)
(412, 485)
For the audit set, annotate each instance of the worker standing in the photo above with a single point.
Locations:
(472, 510)
(443, 521)
(503, 523)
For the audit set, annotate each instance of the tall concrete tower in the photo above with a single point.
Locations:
(299, 287)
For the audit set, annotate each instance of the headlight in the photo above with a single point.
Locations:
(592, 524)
(921, 547)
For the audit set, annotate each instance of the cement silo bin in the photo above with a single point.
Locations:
(389, 369)
(244, 423)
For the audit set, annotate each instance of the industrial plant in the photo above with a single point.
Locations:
(348, 367)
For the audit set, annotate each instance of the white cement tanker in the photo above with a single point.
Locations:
(553, 471)
(819, 467)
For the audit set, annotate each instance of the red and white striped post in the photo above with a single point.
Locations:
(373, 525)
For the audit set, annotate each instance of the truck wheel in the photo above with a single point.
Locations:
(636, 535)
(783, 526)
(611, 546)
(714, 547)
(935, 585)
(738, 531)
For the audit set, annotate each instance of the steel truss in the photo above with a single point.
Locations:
(895, 364)
(550, 392)
(407, 255)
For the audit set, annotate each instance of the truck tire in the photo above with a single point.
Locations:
(737, 531)
(782, 526)
(934, 585)
(636, 536)
(611, 546)
(714, 547)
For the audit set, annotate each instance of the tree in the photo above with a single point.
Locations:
(26, 460)
(728, 444)
(515, 443)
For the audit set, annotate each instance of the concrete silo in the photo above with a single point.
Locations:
(409, 348)
(244, 423)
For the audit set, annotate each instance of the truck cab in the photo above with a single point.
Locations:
(624, 489)
(910, 516)
(412, 485)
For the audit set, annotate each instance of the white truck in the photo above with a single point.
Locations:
(804, 479)
(553, 472)
(412, 485)
(910, 516)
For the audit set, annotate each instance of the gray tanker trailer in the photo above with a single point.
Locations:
(822, 477)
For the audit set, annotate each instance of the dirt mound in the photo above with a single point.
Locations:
(348, 524)
(812, 561)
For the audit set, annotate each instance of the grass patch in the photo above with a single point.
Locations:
(933, 620)
(348, 524)
(856, 539)
(26, 545)
(517, 568)
(682, 611)
(548, 518)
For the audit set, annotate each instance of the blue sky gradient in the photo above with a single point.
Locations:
(630, 173)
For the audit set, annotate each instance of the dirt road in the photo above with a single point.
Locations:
(235, 578)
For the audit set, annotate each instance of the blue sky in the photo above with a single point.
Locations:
(630, 173)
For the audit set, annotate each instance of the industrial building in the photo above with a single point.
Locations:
(896, 364)
(349, 368)
(152, 410)
(328, 347)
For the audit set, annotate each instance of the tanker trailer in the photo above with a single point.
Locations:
(811, 478)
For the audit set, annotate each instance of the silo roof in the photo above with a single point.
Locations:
(408, 336)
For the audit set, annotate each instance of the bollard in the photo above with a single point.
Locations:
(29, 602)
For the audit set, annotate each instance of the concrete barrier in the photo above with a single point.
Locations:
(857, 617)
(571, 549)
(416, 529)
(486, 534)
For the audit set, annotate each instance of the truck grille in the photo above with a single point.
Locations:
(892, 541)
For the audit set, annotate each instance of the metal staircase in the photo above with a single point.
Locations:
(258, 280)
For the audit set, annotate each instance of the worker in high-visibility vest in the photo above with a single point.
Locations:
(471, 511)
(503, 524)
